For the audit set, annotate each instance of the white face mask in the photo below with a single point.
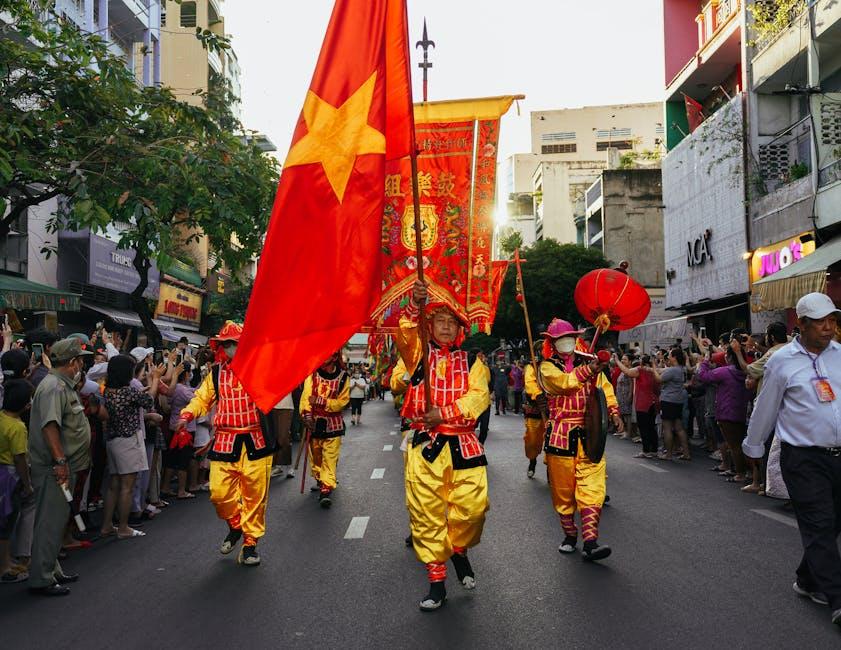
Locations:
(230, 350)
(565, 345)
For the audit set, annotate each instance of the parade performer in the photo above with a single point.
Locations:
(568, 376)
(326, 394)
(241, 453)
(446, 477)
(533, 416)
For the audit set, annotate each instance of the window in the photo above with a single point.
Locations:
(558, 137)
(188, 14)
(615, 144)
(14, 248)
(558, 148)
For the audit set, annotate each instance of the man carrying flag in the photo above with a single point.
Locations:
(446, 477)
(323, 241)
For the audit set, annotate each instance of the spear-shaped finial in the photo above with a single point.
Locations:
(426, 64)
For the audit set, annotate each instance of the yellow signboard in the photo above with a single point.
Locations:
(178, 305)
(768, 260)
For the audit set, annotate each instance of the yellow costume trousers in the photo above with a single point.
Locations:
(240, 492)
(324, 456)
(533, 437)
(446, 506)
(576, 482)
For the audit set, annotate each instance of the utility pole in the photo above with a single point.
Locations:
(426, 64)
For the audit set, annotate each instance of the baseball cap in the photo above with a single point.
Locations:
(140, 353)
(67, 349)
(816, 306)
(14, 363)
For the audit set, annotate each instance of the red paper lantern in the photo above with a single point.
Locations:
(611, 300)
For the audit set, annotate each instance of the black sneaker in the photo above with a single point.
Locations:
(568, 545)
(50, 590)
(230, 541)
(66, 578)
(464, 571)
(814, 596)
(409, 542)
(592, 552)
(435, 599)
(836, 617)
(532, 466)
(248, 556)
(324, 499)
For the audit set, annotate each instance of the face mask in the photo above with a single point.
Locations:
(565, 345)
(230, 350)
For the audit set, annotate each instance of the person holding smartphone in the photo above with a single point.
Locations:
(39, 342)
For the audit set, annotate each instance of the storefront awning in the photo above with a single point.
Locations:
(783, 289)
(124, 317)
(18, 293)
(666, 331)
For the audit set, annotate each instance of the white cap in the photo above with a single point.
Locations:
(816, 306)
(140, 354)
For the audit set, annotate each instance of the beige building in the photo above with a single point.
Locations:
(572, 146)
(186, 66)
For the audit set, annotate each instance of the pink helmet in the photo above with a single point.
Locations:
(559, 328)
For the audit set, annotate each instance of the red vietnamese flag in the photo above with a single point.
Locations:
(319, 274)
(694, 113)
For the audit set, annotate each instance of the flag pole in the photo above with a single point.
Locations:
(424, 334)
(521, 294)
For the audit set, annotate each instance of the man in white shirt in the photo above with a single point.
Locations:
(801, 399)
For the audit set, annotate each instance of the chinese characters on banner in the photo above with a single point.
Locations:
(457, 144)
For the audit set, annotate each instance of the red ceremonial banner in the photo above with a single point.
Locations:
(498, 271)
(457, 184)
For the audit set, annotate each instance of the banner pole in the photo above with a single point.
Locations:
(521, 289)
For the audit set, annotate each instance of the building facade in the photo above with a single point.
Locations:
(705, 214)
(573, 146)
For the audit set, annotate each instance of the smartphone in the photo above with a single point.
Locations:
(37, 351)
(179, 359)
(6, 321)
(158, 357)
(702, 332)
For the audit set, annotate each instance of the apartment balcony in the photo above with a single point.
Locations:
(782, 59)
(215, 61)
(130, 18)
(785, 157)
(828, 21)
(719, 53)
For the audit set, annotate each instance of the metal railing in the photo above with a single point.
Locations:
(713, 15)
(786, 157)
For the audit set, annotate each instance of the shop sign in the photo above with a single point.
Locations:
(178, 305)
(112, 268)
(771, 259)
(698, 250)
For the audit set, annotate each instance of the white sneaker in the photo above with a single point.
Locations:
(277, 470)
(290, 471)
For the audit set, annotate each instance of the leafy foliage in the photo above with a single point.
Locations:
(510, 241)
(230, 306)
(550, 274)
(770, 17)
(77, 125)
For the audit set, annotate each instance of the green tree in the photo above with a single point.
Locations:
(77, 125)
(510, 241)
(230, 306)
(63, 96)
(550, 274)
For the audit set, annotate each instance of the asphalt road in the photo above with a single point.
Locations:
(694, 566)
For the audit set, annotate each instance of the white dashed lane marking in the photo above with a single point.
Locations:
(356, 528)
(378, 473)
(776, 516)
(388, 447)
(653, 468)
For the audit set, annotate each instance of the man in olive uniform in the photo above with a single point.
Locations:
(59, 447)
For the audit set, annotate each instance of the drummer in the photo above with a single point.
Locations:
(567, 376)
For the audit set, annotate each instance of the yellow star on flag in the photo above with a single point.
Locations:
(336, 136)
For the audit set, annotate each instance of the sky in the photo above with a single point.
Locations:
(558, 53)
